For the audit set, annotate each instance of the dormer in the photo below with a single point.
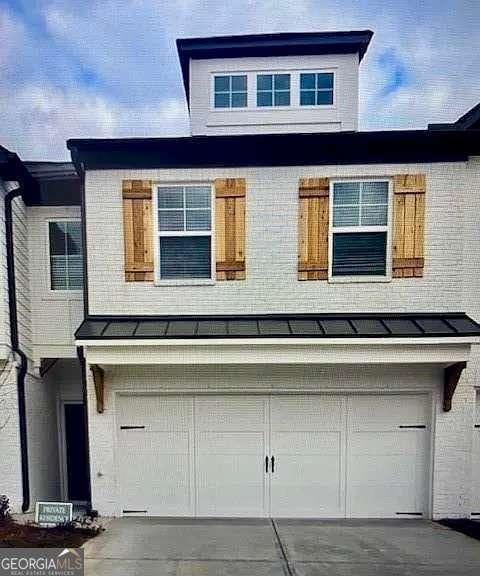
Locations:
(272, 83)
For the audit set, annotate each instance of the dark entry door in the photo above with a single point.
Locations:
(75, 439)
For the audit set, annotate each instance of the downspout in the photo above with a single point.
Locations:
(22, 370)
(80, 350)
(83, 368)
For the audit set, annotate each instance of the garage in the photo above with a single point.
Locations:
(283, 455)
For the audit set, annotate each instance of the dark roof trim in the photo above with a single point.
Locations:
(283, 44)
(58, 184)
(13, 169)
(408, 146)
(469, 121)
(58, 192)
(388, 325)
(43, 183)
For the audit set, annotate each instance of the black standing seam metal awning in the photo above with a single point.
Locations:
(402, 325)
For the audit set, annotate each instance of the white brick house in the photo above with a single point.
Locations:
(279, 311)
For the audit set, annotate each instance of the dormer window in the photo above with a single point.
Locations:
(316, 89)
(230, 91)
(273, 90)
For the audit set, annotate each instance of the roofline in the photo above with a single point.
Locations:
(273, 44)
(465, 122)
(421, 332)
(262, 150)
(85, 143)
(13, 169)
(470, 118)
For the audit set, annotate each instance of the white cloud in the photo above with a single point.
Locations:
(41, 118)
(109, 68)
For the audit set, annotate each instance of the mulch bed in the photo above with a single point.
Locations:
(469, 527)
(14, 535)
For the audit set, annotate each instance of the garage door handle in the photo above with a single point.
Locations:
(272, 459)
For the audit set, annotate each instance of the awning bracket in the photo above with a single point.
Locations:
(451, 377)
(98, 380)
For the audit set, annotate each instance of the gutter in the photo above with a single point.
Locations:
(22, 370)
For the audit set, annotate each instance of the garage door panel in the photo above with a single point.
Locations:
(306, 413)
(320, 499)
(230, 456)
(155, 473)
(229, 412)
(389, 501)
(386, 412)
(155, 412)
(381, 443)
(297, 443)
(155, 462)
(230, 443)
(230, 485)
(306, 441)
(387, 465)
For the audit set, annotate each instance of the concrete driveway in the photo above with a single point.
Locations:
(181, 547)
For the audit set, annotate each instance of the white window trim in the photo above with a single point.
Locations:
(388, 229)
(50, 290)
(212, 91)
(158, 281)
(252, 89)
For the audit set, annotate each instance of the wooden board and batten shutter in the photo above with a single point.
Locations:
(138, 230)
(230, 195)
(408, 225)
(313, 229)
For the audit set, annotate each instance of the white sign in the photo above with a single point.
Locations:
(53, 513)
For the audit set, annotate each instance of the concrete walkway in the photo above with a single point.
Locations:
(183, 547)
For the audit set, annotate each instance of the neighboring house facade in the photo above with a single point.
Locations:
(48, 310)
(280, 312)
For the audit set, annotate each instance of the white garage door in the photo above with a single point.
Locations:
(281, 456)
(476, 462)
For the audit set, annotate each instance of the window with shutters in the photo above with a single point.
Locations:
(184, 246)
(65, 255)
(360, 230)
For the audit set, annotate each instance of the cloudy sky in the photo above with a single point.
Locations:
(108, 68)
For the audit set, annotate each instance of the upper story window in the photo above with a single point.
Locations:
(316, 89)
(184, 219)
(65, 248)
(230, 91)
(359, 233)
(273, 89)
